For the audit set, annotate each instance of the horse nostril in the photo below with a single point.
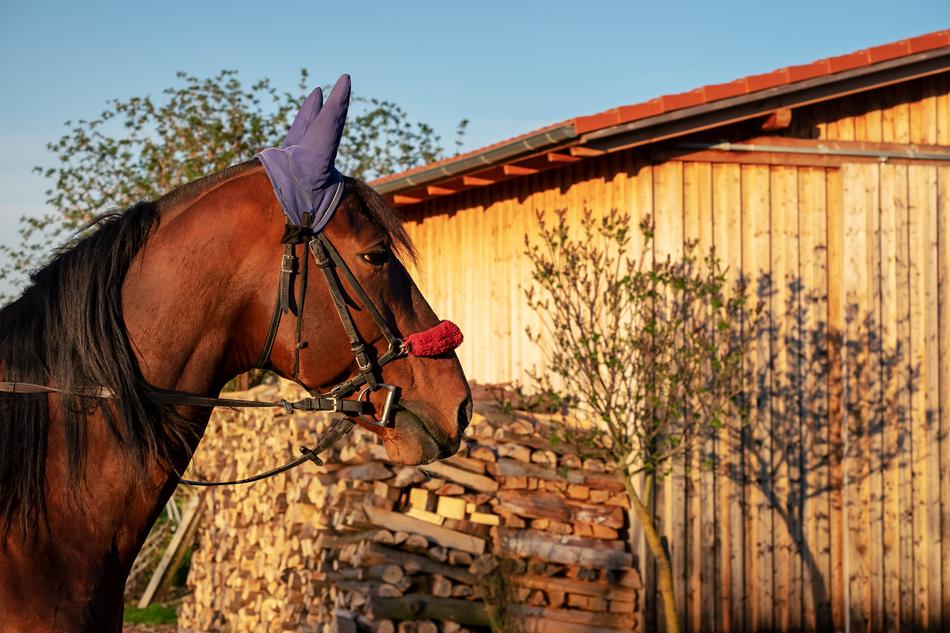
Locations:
(464, 414)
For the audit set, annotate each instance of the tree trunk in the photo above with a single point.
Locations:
(664, 567)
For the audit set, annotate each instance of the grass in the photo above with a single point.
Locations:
(152, 614)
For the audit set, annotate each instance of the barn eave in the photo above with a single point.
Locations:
(674, 116)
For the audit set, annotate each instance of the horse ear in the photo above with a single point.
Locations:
(308, 112)
(322, 137)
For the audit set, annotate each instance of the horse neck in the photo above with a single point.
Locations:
(193, 301)
(197, 289)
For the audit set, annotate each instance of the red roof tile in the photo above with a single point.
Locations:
(715, 92)
(842, 63)
(653, 107)
(929, 41)
(755, 83)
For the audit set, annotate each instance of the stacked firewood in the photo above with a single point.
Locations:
(515, 532)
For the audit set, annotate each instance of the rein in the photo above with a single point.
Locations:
(435, 341)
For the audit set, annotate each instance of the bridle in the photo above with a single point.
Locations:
(369, 369)
(335, 400)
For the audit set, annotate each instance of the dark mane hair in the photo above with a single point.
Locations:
(67, 331)
(383, 214)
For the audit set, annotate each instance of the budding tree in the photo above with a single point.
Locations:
(646, 351)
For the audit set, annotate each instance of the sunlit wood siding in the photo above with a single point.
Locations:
(831, 507)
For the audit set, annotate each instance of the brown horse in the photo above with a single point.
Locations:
(177, 294)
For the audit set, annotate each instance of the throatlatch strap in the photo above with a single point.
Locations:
(288, 268)
(283, 303)
(263, 361)
(298, 344)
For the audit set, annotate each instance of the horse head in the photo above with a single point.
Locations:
(357, 242)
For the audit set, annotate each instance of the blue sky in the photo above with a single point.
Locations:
(507, 66)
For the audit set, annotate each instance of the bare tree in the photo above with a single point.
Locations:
(649, 351)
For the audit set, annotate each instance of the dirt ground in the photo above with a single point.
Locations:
(149, 628)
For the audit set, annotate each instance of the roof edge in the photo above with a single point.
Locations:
(703, 108)
(461, 165)
(636, 130)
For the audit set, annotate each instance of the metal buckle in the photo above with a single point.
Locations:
(389, 406)
(363, 367)
(336, 404)
(288, 263)
(400, 346)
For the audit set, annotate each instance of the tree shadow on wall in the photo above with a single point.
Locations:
(826, 405)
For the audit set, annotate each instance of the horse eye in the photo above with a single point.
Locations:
(376, 258)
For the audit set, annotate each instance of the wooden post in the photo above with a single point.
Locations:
(178, 540)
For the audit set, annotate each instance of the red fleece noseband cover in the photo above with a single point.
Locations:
(437, 340)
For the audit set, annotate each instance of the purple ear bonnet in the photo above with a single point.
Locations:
(305, 181)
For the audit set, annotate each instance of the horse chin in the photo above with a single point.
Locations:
(417, 440)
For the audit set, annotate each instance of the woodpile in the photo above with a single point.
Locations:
(514, 533)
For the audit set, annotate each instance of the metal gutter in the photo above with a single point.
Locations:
(482, 160)
(822, 150)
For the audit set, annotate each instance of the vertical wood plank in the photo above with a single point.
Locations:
(727, 209)
(932, 364)
(641, 194)
(943, 109)
(786, 524)
(872, 129)
(518, 230)
(918, 402)
(943, 276)
(758, 527)
(795, 397)
(871, 404)
(923, 115)
(861, 236)
(642, 207)
(895, 115)
(668, 211)
(511, 244)
(845, 122)
(893, 202)
(502, 246)
(482, 227)
(855, 232)
(708, 517)
(924, 461)
(463, 280)
(698, 227)
(823, 129)
(465, 220)
(836, 414)
(815, 543)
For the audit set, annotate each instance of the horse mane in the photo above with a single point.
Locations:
(67, 330)
(383, 214)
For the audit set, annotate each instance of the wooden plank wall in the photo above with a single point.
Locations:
(830, 508)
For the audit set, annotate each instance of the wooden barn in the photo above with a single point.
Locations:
(828, 185)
